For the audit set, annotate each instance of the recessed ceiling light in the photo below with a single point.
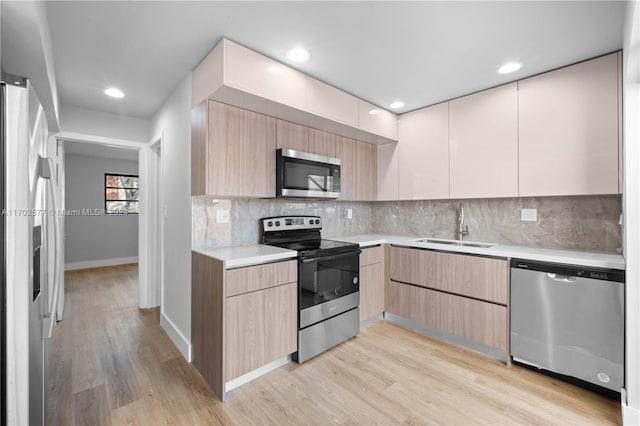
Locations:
(374, 111)
(114, 93)
(509, 67)
(396, 105)
(298, 54)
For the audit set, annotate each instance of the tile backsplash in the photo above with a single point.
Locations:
(583, 223)
(243, 225)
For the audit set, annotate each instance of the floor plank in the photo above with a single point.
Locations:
(111, 363)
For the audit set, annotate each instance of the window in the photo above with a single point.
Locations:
(122, 194)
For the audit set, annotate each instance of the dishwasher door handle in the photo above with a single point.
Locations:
(561, 278)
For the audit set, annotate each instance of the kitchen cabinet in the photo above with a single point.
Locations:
(371, 282)
(465, 295)
(472, 319)
(570, 130)
(358, 169)
(424, 153)
(238, 76)
(483, 144)
(377, 120)
(241, 319)
(233, 152)
(260, 327)
(388, 170)
(292, 136)
(474, 276)
(322, 143)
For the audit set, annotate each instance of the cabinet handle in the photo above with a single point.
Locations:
(561, 278)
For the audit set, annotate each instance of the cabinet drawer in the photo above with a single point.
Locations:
(371, 255)
(474, 276)
(260, 327)
(473, 319)
(252, 278)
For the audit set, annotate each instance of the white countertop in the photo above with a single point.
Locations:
(238, 256)
(570, 257)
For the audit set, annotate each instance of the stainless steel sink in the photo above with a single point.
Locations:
(453, 242)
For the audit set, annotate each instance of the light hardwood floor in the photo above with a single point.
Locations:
(111, 363)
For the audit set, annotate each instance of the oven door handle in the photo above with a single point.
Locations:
(333, 257)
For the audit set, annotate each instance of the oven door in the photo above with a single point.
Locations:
(303, 175)
(328, 285)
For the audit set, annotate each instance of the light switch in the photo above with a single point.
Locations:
(222, 216)
(529, 215)
(349, 214)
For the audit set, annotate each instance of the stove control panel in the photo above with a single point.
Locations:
(289, 223)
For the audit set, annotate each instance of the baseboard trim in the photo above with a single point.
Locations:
(252, 375)
(630, 415)
(178, 339)
(100, 263)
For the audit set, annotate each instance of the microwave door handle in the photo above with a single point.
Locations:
(337, 256)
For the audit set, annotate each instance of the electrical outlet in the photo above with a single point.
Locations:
(529, 215)
(349, 214)
(222, 216)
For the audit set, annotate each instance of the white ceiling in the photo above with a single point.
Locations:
(418, 52)
(98, 150)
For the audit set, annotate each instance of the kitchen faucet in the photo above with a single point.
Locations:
(462, 228)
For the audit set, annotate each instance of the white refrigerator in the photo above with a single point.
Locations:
(33, 248)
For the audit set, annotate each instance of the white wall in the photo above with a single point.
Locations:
(631, 98)
(87, 121)
(96, 240)
(173, 121)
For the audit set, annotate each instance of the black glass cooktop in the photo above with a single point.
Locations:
(315, 247)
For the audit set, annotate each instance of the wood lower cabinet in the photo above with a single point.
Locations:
(241, 319)
(473, 319)
(371, 282)
(461, 294)
(474, 276)
(260, 327)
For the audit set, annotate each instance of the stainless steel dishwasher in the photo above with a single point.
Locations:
(569, 320)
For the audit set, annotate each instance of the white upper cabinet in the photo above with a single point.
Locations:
(377, 120)
(483, 144)
(569, 130)
(424, 153)
(238, 76)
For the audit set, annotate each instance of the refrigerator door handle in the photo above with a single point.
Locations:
(46, 172)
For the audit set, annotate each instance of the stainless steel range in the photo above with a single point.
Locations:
(328, 282)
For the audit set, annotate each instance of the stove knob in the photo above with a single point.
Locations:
(269, 223)
(277, 223)
(310, 221)
(317, 221)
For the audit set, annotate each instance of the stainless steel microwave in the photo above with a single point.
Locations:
(304, 175)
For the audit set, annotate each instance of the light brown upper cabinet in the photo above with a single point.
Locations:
(358, 169)
(569, 134)
(233, 152)
(483, 144)
(292, 136)
(388, 171)
(322, 143)
(424, 153)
